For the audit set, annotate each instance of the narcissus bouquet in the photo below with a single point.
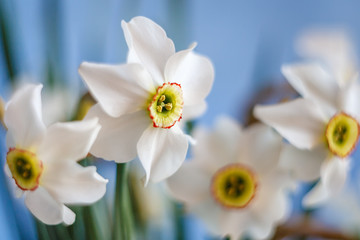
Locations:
(236, 180)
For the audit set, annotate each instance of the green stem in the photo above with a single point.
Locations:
(61, 231)
(95, 218)
(43, 233)
(123, 228)
(5, 44)
(179, 221)
(91, 226)
(77, 229)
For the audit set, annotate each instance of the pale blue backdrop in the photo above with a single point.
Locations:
(246, 40)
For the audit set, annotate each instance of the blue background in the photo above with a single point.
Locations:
(246, 40)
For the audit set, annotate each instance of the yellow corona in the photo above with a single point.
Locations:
(166, 105)
(342, 133)
(25, 168)
(234, 186)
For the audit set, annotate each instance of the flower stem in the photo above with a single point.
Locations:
(5, 26)
(42, 231)
(91, 226)
(179, 221)
(48, 232)
(2, 112)
(123, 227)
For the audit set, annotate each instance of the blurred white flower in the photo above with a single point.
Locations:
(233, 182)
(323, 127)
(140, 103)
(153, 206)
(43, 161)
(332, 47)
(59, 104)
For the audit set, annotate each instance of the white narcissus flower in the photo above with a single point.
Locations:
(43, 160)
(141, 103)
(233, 182)
(322, 126)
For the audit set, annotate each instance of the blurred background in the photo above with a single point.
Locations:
(248, 41)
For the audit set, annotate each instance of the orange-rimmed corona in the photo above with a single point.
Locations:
(234, 186)
(342, 134)
(166, 105)
(25, 168)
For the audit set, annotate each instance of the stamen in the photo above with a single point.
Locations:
(162, 98)
(26, 174)
(159, 108)
(233, 180)
(232, 191)
(28, 166)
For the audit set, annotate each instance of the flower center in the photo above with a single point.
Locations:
(234, 186)
(25, 168)
(166, 105)
(342, 133)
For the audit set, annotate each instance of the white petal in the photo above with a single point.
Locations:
(162, 151)
(46, 208)
(7, 170)
(313, 83)
(68, 216)
(350, 100)
(210, 214)
(270, 205)
(260, 229)
(333, 176)
(299, 121)
(303, 164)
(190, 183)
(316, 196)
(219, 147)
(219, 220)
(149, 43)
(118, 137)
(132, 57)
(10, 142)
(334, 173)
(261, 147)
(334, 48)
(68, 141)
(234, 223)
(17, 192)
(119, 89)
(191, 140)
(74, 184)
(193, 72)
(193, 111)
(23, 116)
